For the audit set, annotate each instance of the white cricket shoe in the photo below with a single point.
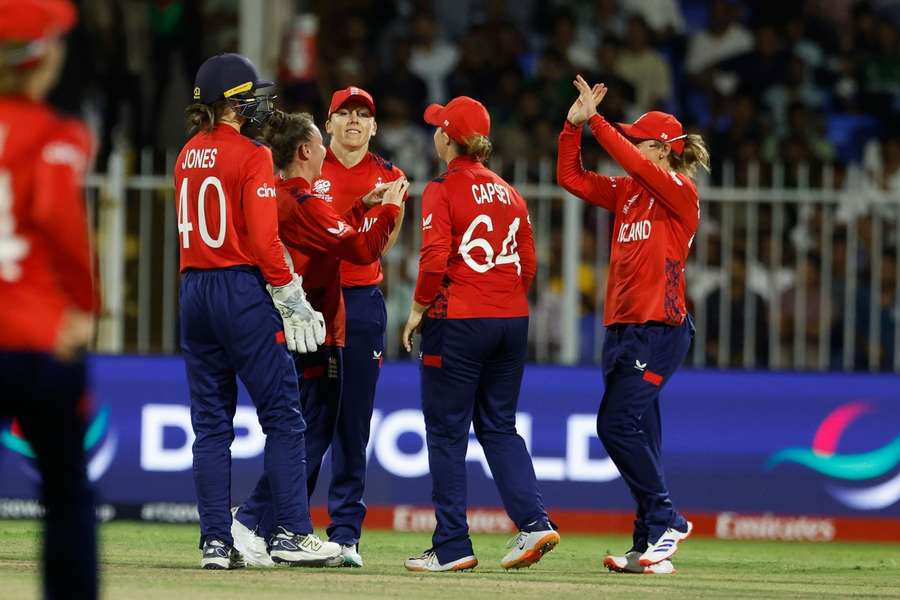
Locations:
(631, 563)
(428, 562)
(251, 546)
(528, 547)
(665, 546)
(298, 550)
(349, 557)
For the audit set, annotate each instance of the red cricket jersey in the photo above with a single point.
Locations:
(477, 257)
(227, 213)
(343, 187)
(656, 216)
(319, 240)
(45, 254)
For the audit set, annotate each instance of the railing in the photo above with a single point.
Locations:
(790, 269)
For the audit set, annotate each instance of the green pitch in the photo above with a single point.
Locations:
(151, 561)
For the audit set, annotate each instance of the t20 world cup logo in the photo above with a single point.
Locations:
(100, 443)
(872, 468)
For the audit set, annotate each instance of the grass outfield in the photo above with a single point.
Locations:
(151, 561)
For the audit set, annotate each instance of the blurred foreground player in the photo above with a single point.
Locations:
(656, 212)
(476, 265)
(47, 296)
(349, 172)
(230, 256)
(318, 239)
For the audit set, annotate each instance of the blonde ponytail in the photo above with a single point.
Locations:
(694, 156)
(477, 146)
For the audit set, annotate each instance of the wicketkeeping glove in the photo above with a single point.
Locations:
(304, 327)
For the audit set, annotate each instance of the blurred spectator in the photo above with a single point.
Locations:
(176, 46)
(399, 81)
(797, 87)
(619, 103)
(741, 304)
(644, 67)
(761, 66)
(663, 17)
(399, 138)
(724, 39)
(802, 125)
(432, 58)
(576, 49)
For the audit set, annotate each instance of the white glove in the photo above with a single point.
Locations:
(304, 327)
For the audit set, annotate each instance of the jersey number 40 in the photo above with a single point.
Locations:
(185, 227)
(508, 254)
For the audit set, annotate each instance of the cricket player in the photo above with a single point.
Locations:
(48, 298)
(230, 324)
(318, 239)
(476, 265)
(351, 171)
(656, 213)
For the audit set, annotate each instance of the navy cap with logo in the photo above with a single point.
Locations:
(226, 76)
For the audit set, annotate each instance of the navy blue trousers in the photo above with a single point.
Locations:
(472, 372)
(45, 396)
(366, 325)
(638, 360)
(320, 400)
(230, 327)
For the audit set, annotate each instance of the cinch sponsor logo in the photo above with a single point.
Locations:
(732, 526)
(161, 424)
(823, 458)
(99, 443)
(265, 191)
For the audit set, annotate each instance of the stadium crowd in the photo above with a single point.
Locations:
(811, 82)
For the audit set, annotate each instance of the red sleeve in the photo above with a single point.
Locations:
(527, 257)
(312, 226)
(677, 195)
(572, 176)
(355, 215)
(261, 214)
(59, 211)
(436, 241)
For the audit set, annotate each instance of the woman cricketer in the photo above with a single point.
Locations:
(656, 213)
(476, 264)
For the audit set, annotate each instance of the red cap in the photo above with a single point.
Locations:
(461, 118)
(341, 97)
(658, 126)
(35, 21)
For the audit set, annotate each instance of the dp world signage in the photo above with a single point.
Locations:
(734, 443)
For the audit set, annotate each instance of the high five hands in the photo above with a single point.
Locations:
(585, 106)
(387, 193)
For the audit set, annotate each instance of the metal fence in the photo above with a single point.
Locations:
(792, 268)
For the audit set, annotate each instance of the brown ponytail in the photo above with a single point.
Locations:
(203, 117)
(694, 156)
(284, 132)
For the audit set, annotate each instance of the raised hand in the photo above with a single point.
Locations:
(376, 194)
(585, 106)
(395, 192)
